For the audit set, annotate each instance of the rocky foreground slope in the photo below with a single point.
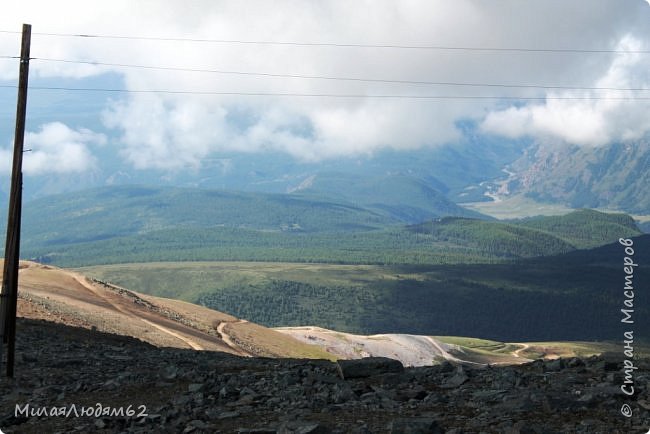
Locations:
(61, 368)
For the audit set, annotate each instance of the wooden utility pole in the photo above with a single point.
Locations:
(9, 292)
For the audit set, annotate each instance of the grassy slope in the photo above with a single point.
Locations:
(517, 206)
(575, 296)
(481, 350)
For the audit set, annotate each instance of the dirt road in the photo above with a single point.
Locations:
(89, 286)
(524, 347)
(227, 339)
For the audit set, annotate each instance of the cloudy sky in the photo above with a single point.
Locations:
(379, 62)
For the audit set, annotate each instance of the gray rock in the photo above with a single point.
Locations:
(575, 362)
(227, 392)
(555, 365)
(446, 366)
(456, 380)
(303, 427)
(169, 373)
(257, 431)
(416, 425)
(194, 387)
(342, 393)
(197, 423)
(542, 397)
(368, 367)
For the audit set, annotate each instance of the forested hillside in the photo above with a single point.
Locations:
(408, 199)
(573, 296)
(71, 241)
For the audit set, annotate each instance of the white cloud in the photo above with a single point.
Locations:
(55, 149)
(170, 132)
(166, 134)
(587, 122)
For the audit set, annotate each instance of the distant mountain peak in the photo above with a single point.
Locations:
(613, 177)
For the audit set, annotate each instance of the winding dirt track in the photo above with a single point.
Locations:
(84, 282)
(444, 352)
(524, 347)
(226, 338)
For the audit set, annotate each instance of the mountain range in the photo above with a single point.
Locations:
(408, 186)
(148, 223)
(614, 177)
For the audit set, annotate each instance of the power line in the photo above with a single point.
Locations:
(334, 78)
(341, 45)
(329, 95)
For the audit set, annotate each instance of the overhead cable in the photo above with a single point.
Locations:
(335, 78)
(339, 45)
(330, 95)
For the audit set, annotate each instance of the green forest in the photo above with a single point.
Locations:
(573, 296)
(447, 240)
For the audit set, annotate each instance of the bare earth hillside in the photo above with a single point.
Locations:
(411, 350)
(70, 298)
